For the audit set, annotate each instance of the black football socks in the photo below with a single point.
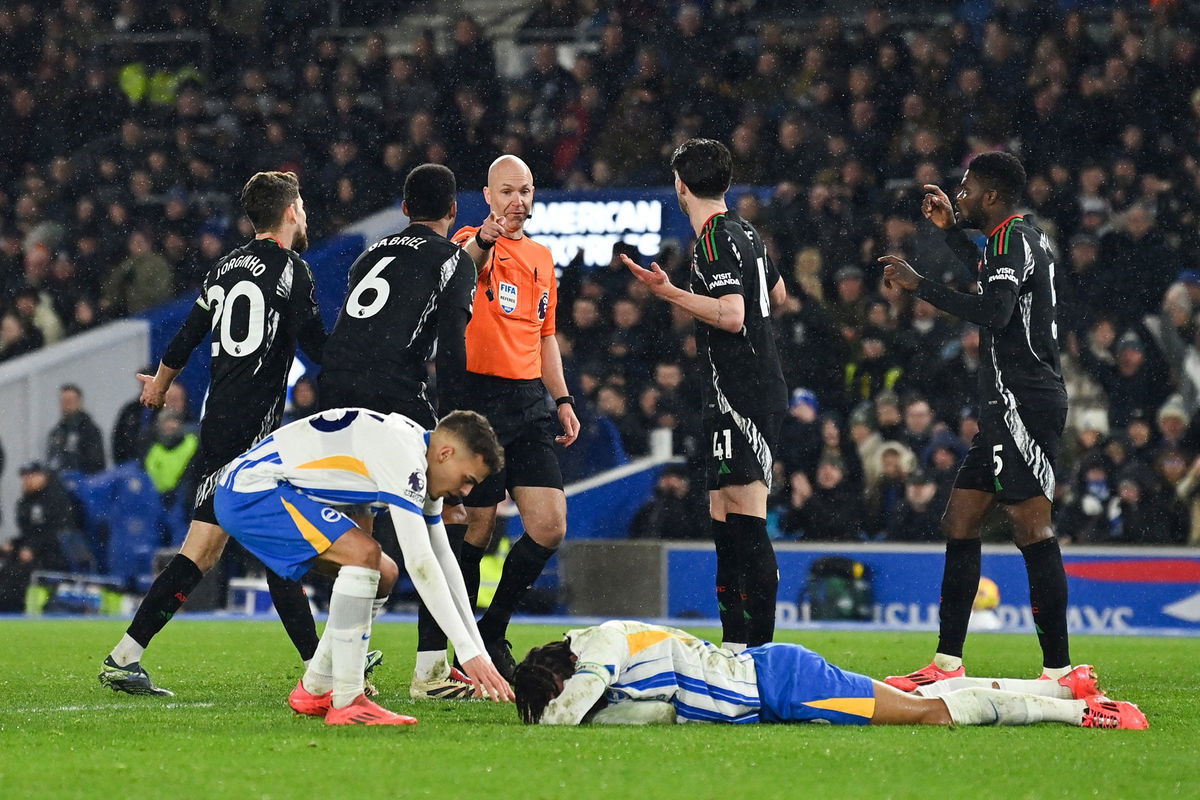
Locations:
(522, 566)
(759, 576)
(1048, 597)
(168, 592)
(291, 603)
(960, 582)
(729, 584)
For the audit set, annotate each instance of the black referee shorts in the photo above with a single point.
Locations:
(341, 389)
(1015, 452)
(521, 417)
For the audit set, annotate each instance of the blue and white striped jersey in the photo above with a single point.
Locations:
(627, 661)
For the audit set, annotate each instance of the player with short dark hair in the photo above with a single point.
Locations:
(410, 295)
(632, 673)
(733, 285)
(1023, 406)
(281, 500)
(258, 302)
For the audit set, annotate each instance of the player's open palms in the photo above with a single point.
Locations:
(488, 682)
(937, 207)
(654, 278)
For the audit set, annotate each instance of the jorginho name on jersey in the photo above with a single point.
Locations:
(261, 301)
(729, 258)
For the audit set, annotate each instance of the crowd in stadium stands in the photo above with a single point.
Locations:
(117, 167)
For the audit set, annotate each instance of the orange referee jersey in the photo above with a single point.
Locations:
(515, 300)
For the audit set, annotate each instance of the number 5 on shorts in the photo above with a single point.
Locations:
(997, 462)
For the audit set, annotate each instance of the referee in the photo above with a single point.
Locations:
(512, 360)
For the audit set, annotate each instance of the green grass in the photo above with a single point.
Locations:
(249, 745)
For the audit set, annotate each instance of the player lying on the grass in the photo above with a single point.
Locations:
(278, 500)
(634, 673)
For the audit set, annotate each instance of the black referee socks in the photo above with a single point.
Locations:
(1048, 597)
(759, 576)
(522, 566)
(168, 592)
(960, 582)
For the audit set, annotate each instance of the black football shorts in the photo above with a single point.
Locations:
(741, 448)
(1015, 452)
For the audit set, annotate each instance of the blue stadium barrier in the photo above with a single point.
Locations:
(135, 524)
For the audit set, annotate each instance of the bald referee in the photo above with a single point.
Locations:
(512, 361)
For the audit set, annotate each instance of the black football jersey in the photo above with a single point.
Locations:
(259, 301)
(729, 258)
(1019, 361)
(399, 288)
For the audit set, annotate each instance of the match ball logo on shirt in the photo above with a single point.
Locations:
(544, 305)
(508, 297)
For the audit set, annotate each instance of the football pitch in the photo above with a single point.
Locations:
(228, 733)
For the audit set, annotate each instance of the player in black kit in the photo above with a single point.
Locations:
(733, 285)
(409, 296)
(258, 303)
(1023, 402)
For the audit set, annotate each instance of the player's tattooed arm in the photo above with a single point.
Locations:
(727, 312)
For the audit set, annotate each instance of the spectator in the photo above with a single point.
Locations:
(16, 337)
(1084, 519)
(917, 518)
(170, 458)
(875, 370)
(1187, 490)
(670, 514)
(141, 281)
(131, 432)
(44, 512)
(304, 400)
(800, 434)
(825, 510)
(918, 425)
(1133, 384)
(611, 403)
(886, 490)
(74, 443)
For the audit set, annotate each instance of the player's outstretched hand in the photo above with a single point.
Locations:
(654, 278)
(937, 207)
(487, 680)
(900, 272)
(492, 228)
(152, 396)
(570, 425)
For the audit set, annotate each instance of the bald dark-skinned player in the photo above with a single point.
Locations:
(1023, 401)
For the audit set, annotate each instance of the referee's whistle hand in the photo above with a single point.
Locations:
(570, 425)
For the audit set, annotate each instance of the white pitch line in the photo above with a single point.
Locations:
(107, 707)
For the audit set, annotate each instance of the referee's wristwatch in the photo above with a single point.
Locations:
(565, 400)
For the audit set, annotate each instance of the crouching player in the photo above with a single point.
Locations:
(278, 501)
(633, 673)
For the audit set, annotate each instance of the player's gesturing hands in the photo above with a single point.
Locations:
(488, 683)
(937, 207)
(492, 229)
(900, 272)
(570, 425)
(654, 278)
(152, 395)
